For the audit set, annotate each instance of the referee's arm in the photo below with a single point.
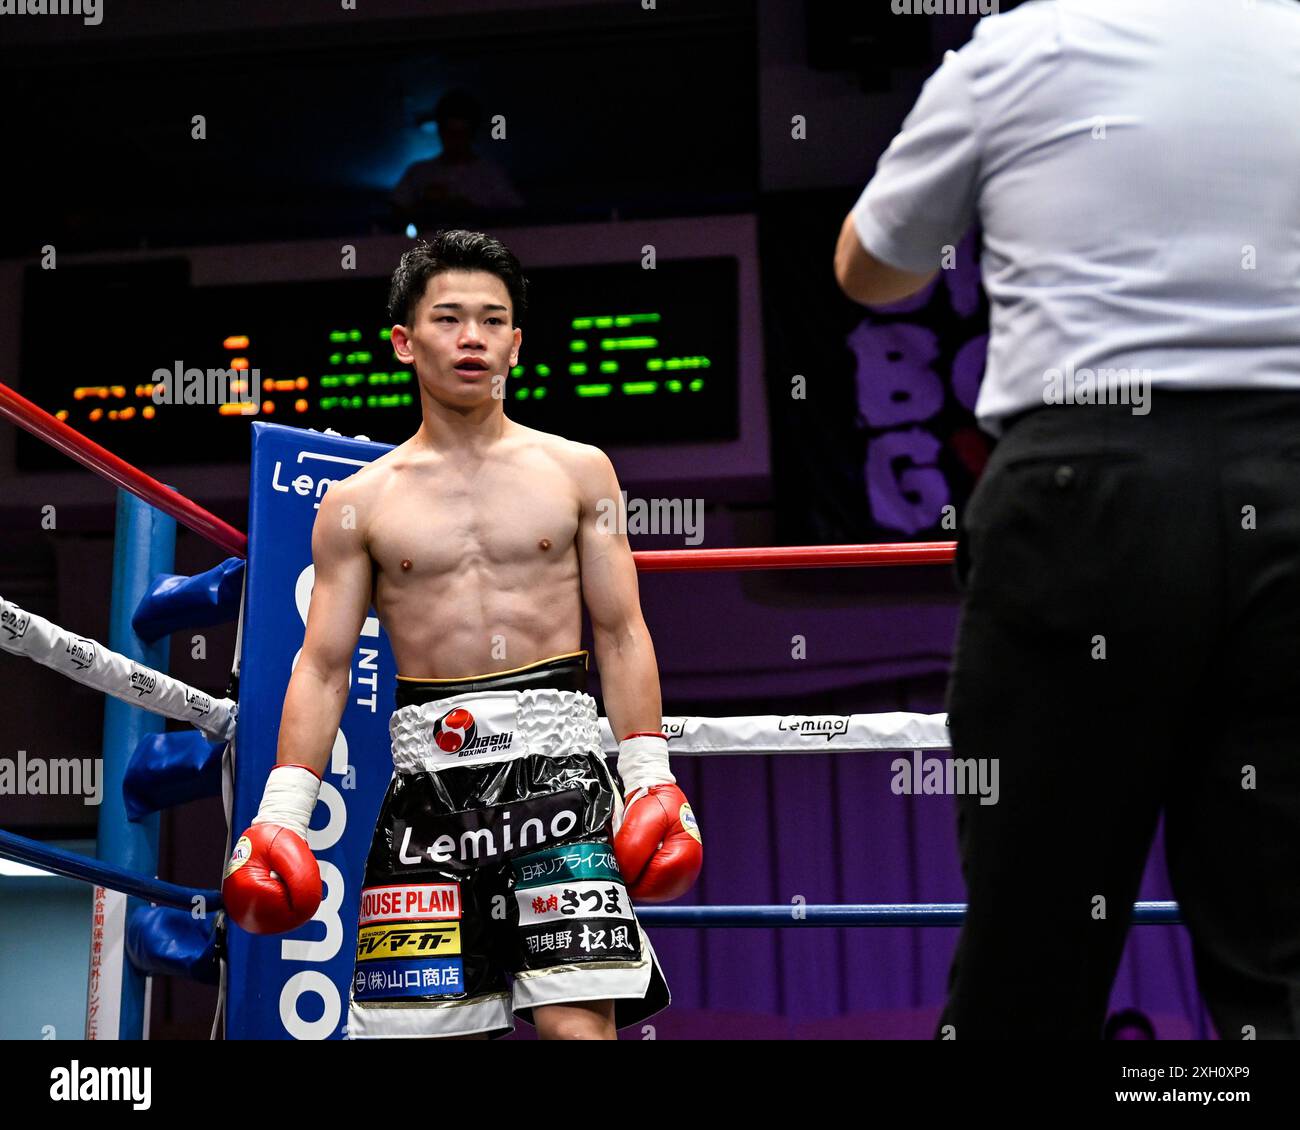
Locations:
(868, 280)
(922, 198)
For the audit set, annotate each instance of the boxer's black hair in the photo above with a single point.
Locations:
(456, 250)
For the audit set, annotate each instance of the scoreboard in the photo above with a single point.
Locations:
(612, 353)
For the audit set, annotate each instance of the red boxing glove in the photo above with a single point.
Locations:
(658, 845)
(656, 838)
(272, 882)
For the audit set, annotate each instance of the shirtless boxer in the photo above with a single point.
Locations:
(477, 541)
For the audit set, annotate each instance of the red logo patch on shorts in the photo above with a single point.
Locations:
(454, 730)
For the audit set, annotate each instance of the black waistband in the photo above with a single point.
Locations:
(563, 673)
(1221, 409)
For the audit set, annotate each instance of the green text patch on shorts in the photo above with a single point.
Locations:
(567, 863)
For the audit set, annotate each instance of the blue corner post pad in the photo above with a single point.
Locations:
(169, 769)
(162, 941)
(173, 602)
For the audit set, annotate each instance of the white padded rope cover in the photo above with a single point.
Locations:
(797, 733)
(90, 663)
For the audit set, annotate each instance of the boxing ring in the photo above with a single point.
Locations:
(295, 985)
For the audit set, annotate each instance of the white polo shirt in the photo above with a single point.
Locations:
(1135, 167)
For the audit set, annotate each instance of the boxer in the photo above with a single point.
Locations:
(506, 853)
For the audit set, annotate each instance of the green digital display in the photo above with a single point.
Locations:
(611, 354)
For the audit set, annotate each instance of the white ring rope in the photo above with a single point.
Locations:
(90, 663)
(797, 733)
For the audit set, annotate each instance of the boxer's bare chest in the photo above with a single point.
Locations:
(445, 521)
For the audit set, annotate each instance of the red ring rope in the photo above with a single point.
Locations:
(796, 557)
(206, 524)
(108, 466)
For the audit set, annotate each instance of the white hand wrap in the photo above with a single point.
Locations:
(289, 798)
(643, 761)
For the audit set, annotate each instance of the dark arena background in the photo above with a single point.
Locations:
(227, 188)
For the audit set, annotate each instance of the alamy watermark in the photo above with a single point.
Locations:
(179, 385)
(945, 7)
(90, 11)
(683, 517)
(1099, 386)
(945, 776)
(100, 1083)
(54, 776)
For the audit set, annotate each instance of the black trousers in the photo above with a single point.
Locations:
(1130, 644)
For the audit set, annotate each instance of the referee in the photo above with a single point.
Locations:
(1129, 643)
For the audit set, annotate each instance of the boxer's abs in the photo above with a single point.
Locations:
(479, 620)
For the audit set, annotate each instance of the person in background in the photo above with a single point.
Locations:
(457, 181)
